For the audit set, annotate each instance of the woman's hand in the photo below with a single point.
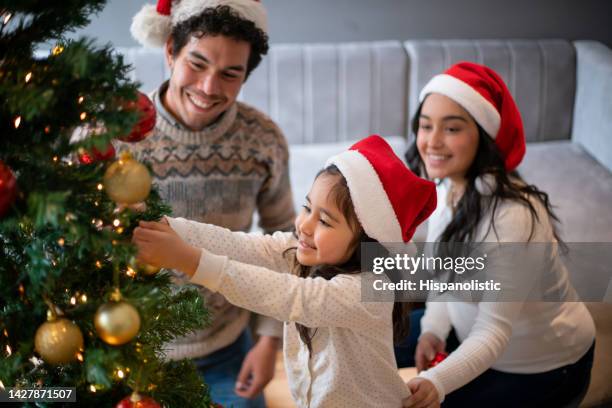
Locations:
(424, 394)
(159, 245)
(427, 347)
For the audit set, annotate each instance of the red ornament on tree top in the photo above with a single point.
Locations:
(137, 401)
(146, 123)
(8, 188)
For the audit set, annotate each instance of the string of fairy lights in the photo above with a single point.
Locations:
(117, 322)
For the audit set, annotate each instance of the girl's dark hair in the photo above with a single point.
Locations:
(473, 205)
(341, 195)
(222, 20)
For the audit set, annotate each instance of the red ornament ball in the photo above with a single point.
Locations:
(95, 155)
(146, 123)
(437, 359)
(137, 400)
(8, 188)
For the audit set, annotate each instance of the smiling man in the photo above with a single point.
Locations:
(218, 161)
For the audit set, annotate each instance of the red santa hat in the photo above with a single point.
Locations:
(483, 93)
(152, 25)
(390, 201)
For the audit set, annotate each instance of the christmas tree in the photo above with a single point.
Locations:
(76, 307)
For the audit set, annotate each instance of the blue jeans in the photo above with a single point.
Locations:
(561, 387)
(220, 371)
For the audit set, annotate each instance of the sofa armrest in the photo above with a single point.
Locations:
(592, 126)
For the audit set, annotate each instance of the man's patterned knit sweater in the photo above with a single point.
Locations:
(221, 175)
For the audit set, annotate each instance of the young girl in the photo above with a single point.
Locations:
(338, 350)
(469, 136)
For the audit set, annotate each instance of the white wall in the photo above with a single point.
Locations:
(355, 20)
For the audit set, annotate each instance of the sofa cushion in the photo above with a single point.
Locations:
(593, 108)
(581, 190)
(579, 187)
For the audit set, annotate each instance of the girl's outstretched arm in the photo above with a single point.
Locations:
(311, 302)
(254, 248)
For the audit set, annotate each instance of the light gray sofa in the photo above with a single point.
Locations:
(324, 96)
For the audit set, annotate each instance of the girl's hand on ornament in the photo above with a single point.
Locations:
(424, 394)
(159, 245)
(426, 349)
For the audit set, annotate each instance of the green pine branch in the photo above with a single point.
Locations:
(63, 239)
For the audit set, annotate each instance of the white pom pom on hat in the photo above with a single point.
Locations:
(151, 28)
(152, 25)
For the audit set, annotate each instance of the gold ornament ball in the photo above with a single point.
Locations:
(117, 322)
(147, 269)
(58, 341)
(127, 181)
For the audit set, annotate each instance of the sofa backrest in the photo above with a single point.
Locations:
(345, 91)
(332, 92)
(541, 75)
(315, 92)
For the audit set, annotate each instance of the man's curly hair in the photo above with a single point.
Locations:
(222, 20)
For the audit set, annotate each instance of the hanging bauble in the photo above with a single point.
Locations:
(117, 322)
(58, 340)
(95, 155)
(146, 121)
(147, 269)
(137, 400)
(144, 268)
(127, 181)
(8, 188)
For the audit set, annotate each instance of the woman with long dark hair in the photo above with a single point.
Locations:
(469, 139)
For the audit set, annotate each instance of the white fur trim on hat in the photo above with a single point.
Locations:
(370, 200)
(152, 29)
(471, 100)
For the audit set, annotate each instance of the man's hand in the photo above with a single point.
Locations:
(159, 245)
(257, 368)
(426, 350)
(424, 394)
